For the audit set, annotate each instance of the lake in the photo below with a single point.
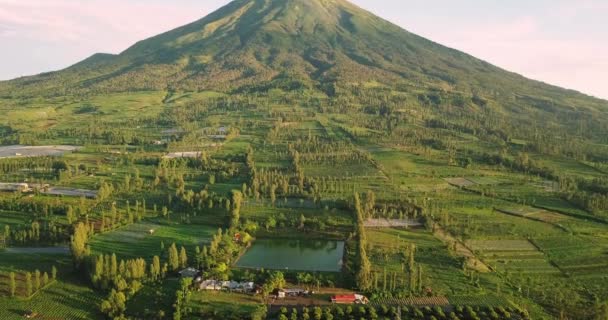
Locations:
(296, 255)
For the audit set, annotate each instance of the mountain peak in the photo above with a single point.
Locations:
(290, 44)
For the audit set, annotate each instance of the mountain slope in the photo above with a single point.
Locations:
(290, 44)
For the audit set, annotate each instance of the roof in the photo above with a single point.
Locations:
(345, 297)
(188, 272)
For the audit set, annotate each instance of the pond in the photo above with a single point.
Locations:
(295, 255)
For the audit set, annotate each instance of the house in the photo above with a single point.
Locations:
(210, 285)
(280, 294)
(349, 299)
(227, 285)
(295, 292)
(188, 273)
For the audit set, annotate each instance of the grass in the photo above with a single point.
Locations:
(135, 241)
(215, 305)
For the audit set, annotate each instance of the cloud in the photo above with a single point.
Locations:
(118, 22)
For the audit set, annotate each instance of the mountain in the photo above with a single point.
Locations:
(283, 43)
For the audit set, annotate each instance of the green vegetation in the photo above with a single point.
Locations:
(435, 184)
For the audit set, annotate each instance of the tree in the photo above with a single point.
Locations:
(302, 222)
(273, 194)
(173, 258)
(370, 203)
(115, 304)
(419, 278)
(7, 233)
(235, 212)
(12, 284)
(183, 258)
(78, 243)
(364, 279)
(37, 280)
(54, 273)
(28, 284)
(155, 268)
(270, 223)
(363, 276)
(70, 214)
(602, 312)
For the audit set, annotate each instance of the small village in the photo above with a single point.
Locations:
(278, 295)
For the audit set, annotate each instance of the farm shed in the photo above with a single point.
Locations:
(295, 292)
(227, 285)
(188, 273)
(14, 187)
(349, 299)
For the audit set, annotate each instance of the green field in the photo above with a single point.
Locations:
(137, 240)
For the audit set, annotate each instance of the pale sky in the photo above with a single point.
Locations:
(562, 42)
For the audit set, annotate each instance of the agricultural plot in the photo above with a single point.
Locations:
(144, 239)
(486, 300)
(460, 182)
(576, 255)
(442, 273)
(542, 215)
(416, 302)
(475, 213)
(399, 164)
(70, 192)
(62, 300)
(18, 151)
(214, 305)
(514, 256)
(12, 218)
(285, 222)
(42, 250)
(392, 223)
(472, 181)
(152, 299)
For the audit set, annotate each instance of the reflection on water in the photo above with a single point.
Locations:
(300, 255)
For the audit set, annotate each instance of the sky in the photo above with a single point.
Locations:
(562, 42)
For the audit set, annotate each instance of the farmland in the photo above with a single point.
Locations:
(437, 235)
(173, 182)
(144, 239)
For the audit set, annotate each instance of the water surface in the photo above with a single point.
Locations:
(296, 255)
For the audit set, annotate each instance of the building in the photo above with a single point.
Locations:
(234, 286)
(189, 273)
(14, 187)
(294, 292)
(349, 299)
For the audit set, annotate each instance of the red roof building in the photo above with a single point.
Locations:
(349, 299)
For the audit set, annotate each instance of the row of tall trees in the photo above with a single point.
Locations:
(29, 283)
